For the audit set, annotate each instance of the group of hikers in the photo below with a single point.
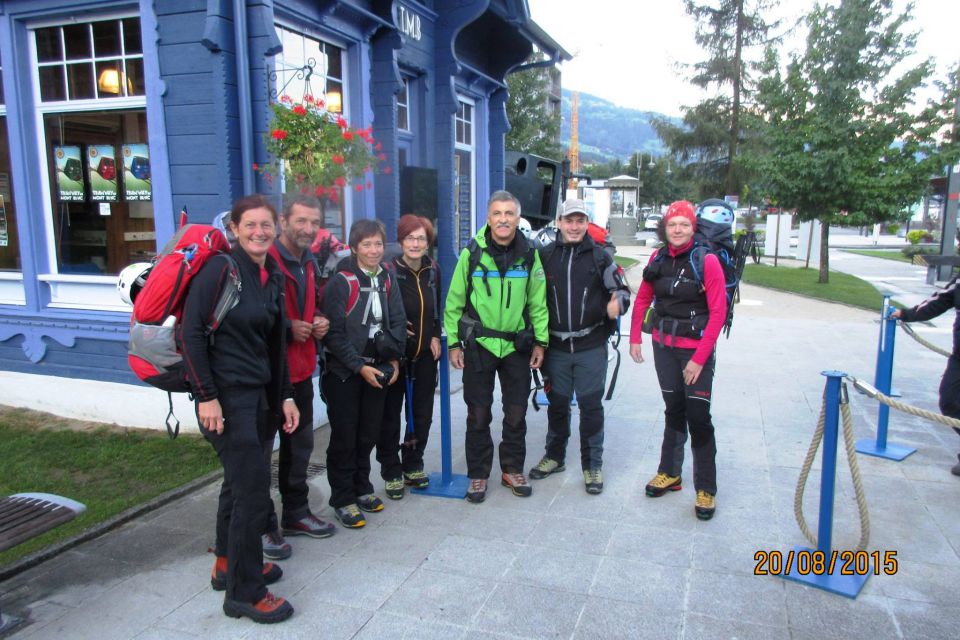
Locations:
(374, 324)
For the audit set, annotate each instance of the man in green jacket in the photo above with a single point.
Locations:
(496, 321)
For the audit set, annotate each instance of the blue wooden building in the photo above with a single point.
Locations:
(115, 115)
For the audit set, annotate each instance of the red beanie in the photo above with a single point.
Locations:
(681, 208)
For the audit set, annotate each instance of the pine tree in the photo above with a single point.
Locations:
(846, 143)
(714, 130)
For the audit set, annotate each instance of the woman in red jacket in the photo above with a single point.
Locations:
(689, 309)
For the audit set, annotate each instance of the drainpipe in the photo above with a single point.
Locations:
(244, 95)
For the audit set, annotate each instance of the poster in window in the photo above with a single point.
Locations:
(136, 172)
(4, 239)
(102, 168)
(69, 173)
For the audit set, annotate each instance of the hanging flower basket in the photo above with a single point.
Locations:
(318, 150)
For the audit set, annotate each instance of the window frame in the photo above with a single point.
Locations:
(71, 291)
(471, 148)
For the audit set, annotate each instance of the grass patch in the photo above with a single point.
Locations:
(625, 262)
(880, 253)
(107, 468)
(842, 287)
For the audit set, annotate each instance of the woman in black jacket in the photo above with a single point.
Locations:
(241, 386)
(419, 280)
(364, 347)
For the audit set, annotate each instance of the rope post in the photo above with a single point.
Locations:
(883, 380)
(832, 577)
(445, 484)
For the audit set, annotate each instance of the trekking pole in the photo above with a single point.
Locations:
(820, 567)
(883, 381)
(445, 484)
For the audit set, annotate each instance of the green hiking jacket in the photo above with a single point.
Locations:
(501, 309)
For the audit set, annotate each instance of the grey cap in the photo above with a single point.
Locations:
(571, 206)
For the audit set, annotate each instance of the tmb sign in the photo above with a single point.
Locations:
(409, 22)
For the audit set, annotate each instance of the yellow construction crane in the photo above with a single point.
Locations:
(574, 153)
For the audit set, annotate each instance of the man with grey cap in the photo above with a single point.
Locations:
(586, 292)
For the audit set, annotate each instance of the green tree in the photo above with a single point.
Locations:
(534, 126)
(713, 131)
(845, 144)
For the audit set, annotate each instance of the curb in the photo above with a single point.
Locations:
(101, 528)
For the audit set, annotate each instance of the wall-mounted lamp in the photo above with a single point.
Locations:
(110, 81)
(334, 101)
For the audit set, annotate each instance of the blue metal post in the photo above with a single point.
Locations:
(835, 581)
(883, 381)
(445, 484)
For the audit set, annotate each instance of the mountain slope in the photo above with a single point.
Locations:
(608, 131)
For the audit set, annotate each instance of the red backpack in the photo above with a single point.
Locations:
(153, 352)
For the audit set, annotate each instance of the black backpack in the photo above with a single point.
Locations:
(717, 238)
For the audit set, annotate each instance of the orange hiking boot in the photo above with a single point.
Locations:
(662, 483)
(268, 610)
(218, 577)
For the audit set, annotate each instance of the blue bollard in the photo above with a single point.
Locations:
(835, 580)
(883, 381)
(445, 484)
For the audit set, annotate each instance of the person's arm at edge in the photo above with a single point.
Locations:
(456, 300)
(335, 308)
(640, 305)
(537, 302)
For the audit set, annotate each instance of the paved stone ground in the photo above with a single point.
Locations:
(563, 564)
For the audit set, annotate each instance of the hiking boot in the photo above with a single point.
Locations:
(270, 609)
(545, 467)
(593, 480)
(394, 489)
(309, 525)
(955, 470)
(370, 503)
(705, 505)
(416, 479)
(517, 483)
(661, 484)
(350, 516)
(477, 491)
(275, 547)
(218, 577)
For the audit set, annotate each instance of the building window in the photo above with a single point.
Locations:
(90, 61)
(91, 90)
(9, 248)
(403, 107)
(309, 66)
(465, 171)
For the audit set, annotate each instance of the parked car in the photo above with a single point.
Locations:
(652, 222)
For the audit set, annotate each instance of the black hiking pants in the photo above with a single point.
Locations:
(295, 451)
(687, 407)
(395, 452)
(481, 368)
(245, 492)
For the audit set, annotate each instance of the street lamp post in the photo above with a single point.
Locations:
(650, 165)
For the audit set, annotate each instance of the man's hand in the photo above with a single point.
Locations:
(301, 330)
(291, 415)
(369, 374)
(211, 416)
(455, 356)
(536, 358)
(320, 327)
(896, 313)
(435, 348)
(396, 372)
(409, 328)
(691, 372)
(636, 353)
(613, 307)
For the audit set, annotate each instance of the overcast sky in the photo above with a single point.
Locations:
(627, 51)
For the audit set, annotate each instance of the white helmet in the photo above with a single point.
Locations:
(221, 221)
(131, 280)
(524, 227)
(716, 210)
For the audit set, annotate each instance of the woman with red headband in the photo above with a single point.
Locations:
(687, 314)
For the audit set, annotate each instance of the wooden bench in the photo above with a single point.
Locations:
(26, 515)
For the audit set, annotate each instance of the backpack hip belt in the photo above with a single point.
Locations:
(569, 335)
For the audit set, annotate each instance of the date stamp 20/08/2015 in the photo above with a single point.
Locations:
(806, 562)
